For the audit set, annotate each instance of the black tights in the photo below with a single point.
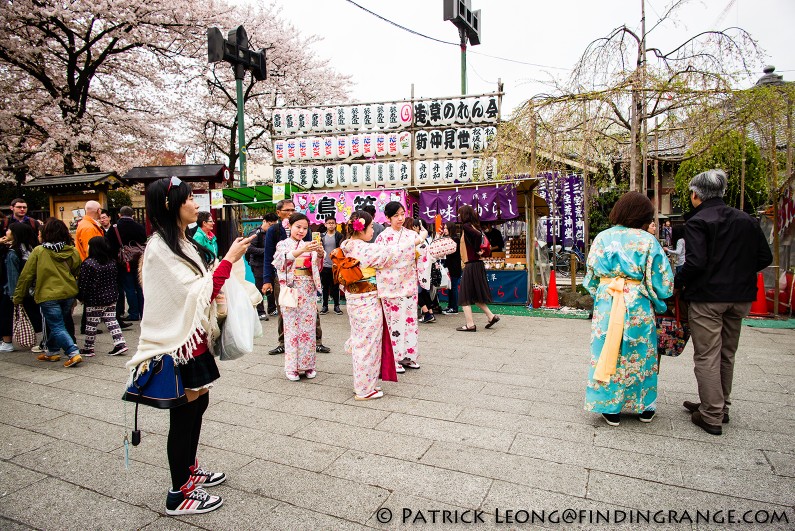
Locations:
(183, 438)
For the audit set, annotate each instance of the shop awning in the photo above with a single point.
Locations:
(253, 195)
(213, 173)
(81, 181)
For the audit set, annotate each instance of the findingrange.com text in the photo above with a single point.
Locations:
(409, 516)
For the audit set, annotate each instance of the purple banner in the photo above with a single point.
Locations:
(490, 202)
(564, 195)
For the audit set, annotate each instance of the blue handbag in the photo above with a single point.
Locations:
(159, 387)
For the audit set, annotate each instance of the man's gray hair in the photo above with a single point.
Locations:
(709, 184)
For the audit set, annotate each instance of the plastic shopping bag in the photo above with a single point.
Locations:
(242, 323)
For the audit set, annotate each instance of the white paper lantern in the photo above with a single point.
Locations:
(329, 117)
(422, 142)
(478, 139)
(303, 120)
(303, 148)
(316, 120)
(343, 147)
(448, 141)
(380, 115)
(477, 169)
(464, 171)
(329, 147)
(489, 135)
(462, 110)
(356, 118)
(368, 145)
(392, 143)
(434, 113)
(392, 175)
(405, 114)
(279, 153)
(489, 168)
(463, 139)
(435, 141)
(404, 143)
(279, 174)
(404, 173)
(357, 171)
(344, 175)
(422, 172)
(392, 116)
(478, 112)
(368, 176)
(330, 177)
(356, 146)
(449, 168)
(380, 144)
(278, 121)
(316, 172)
(339, 119)
(368, 117)
(315, 148)
(436, 171)
(304, 179)
(448, 112)
(290, 175)
(291, 121)
(421, 114)
(380, 174)
(491, 110)
(291, 149)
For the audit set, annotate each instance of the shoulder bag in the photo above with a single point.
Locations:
(672, 333)
(288, 298)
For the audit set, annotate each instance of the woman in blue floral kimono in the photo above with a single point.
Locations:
(629, 277)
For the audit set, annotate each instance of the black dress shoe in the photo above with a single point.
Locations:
(698, 421)
(323, 349)
(693, 406)
(277, 350)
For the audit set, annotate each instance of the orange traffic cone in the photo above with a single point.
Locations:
(552, 292)
(759, 307)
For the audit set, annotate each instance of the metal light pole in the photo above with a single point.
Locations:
(460, 13)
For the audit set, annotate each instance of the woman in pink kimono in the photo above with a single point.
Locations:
(298, 265)
(397, 286)
(364, 309)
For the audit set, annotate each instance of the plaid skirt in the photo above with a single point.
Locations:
(200, 372)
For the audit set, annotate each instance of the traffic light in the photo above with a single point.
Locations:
(461, 14)
(234, 50)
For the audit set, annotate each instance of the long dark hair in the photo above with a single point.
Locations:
(99, 250)
(56, 231)
(22, 234)
(162, 207)
(467, 214)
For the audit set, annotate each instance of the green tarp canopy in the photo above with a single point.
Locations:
(253, 195)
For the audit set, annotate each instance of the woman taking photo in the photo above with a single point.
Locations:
(629, 278)
(298, 264)
(397, 286)
(180, 281)
(364, 309)
(453, 264)
(474, 287)
(54, 267)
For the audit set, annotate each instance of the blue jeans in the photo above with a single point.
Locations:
(57, 337)
(452, 293)
(134, 294)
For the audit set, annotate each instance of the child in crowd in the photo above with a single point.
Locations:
(99, 290)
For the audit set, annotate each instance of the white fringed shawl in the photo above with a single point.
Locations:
(178, 307)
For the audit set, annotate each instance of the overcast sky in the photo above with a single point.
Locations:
(383, 60)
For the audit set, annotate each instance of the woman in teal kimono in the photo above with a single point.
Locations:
(629, 276)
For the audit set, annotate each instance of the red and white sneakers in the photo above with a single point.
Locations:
(204, 478)
(191, 499)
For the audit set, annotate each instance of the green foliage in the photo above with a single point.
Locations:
(601, 205)
(726, 154)
(118, 199)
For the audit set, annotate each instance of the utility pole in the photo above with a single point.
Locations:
(235, 51)
(460, 13)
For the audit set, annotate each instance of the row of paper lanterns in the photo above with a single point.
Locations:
(381, 144)
(379, 116)
(371, 175)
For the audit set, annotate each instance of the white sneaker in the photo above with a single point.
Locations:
(311, 373)
(37, 349)
(400, 369)
(6, 347)
(292, 376)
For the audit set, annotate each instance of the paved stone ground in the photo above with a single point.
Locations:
(492, 421)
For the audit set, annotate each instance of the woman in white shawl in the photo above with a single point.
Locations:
(180, 281)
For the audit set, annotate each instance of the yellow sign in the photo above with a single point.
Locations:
(278, 192)
(216, 198)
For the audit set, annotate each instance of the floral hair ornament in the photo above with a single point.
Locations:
(358, 224)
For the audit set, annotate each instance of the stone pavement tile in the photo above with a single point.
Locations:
(254, 417)
(169, 523)
(534, 394)
(367, 440)
(278, 448)
(563, 412)
(484, 363)
(152, 450)
(390, 388)
(84, 431)
(56, 510)
(263, 370)
(585, 454)
(142, 485)
(354, 500)
(308, 390)
(44, 374)
(405, 476)
(409, 511)
(410, 406)
(244, 380)
(92, 386)
(443, 430)
(735, 436)
(466, 398)
(286, 516)
(344, 413)
(241, 510)
(782, 464)
(538, 473)
(750, 485)
(24, 415)
(11, 525)
(99, 370)
(14, 477)
(691, 451)
(540, 426)
(15, 441)
(245, 397)
(641, 494)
